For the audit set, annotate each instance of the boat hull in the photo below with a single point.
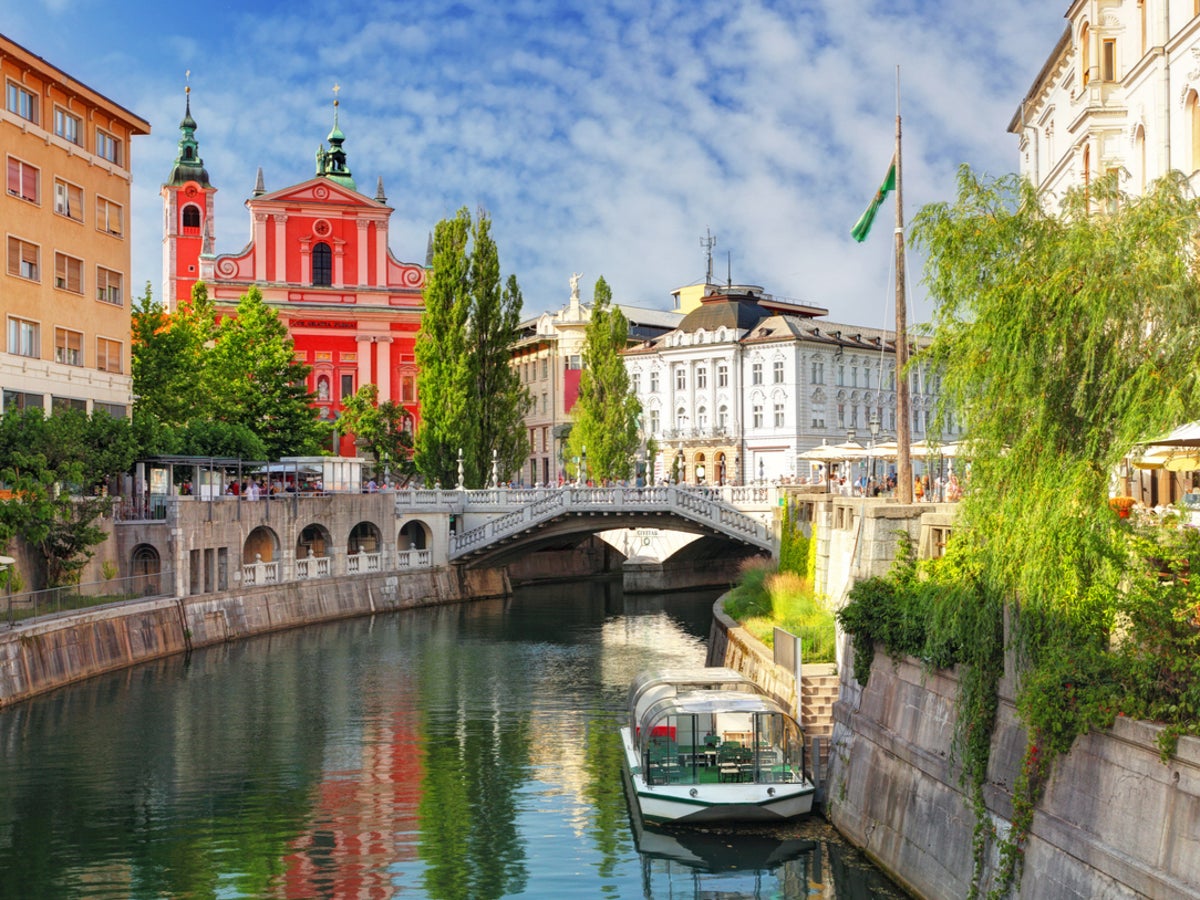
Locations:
(694, 804)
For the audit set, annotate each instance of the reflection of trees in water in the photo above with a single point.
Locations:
(609, 825)
(475, 763)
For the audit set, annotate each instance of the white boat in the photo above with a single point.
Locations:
(707, 745)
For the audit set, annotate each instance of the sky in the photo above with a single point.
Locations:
(605, 137)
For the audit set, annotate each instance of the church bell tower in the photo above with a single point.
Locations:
(187, 215)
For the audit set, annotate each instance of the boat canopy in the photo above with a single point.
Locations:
(649, 687)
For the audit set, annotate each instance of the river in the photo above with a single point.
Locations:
(466, 751)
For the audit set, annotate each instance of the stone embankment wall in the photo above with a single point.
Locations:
(1115, 821)
(51, 652)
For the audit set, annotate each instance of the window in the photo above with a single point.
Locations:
(108, 286)
(68, 347)
(635, 382)
(108, 147)
(722, 419)
(1085, 54)
(722, 375)
(702, 419)
(701, 378)
(756, 374)
(1108, 60)
(854, 376)
(68, 273)
(116, 410)
(66, 126)
(23, 259)
(545, 403)
(108, 355)
(654, 421)
(190, 219)
(408, 392)
(841, 375)
(347, 386)
(58, 404)
(68, 199)
(110, 217)
(322, 265)
(23, 180)
(24, 338)
(654, 382)
(758, 415)
(777, 372)
(680, 378)
(778, 415)
(22, 102)
(22, 400)
(818, 415)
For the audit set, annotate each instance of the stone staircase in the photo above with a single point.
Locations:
(818, 693)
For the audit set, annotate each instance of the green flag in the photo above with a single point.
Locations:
(863, 226)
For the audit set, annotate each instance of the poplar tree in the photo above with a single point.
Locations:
(495, 317)
(607, 412)
(471, 397)
(443, 382)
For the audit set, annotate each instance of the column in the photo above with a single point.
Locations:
(339, 264)
(361, 253)
(280, 273)
(383, 367)
(364, 360)
(260, 247)
(381, 245)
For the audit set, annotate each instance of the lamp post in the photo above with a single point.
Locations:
(582, 466)
(873, 424)
(851, 434)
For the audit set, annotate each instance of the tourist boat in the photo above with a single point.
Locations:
(707, 745)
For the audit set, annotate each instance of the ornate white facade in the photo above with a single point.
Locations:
(1120, 91)
(748, 382)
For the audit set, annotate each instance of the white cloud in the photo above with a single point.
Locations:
(603, 137)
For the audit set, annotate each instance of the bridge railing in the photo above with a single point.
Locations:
(697, 504)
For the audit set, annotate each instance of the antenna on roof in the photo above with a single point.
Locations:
(708, 242)
(728, 269)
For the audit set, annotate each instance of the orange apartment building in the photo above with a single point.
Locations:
(65, 284)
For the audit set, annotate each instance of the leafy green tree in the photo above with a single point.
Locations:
(471, 400)
(168, 355)
(441, 353)
(53, 469)
(380, 429)
(1064, 337)
(253, 379)
(503, 400)
(607, 412)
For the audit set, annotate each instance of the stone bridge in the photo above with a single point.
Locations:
(552, 513)
(217, 543)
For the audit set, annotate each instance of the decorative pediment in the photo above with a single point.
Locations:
(319, 191)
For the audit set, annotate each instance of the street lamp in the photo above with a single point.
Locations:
(873, 424)
(582, 466)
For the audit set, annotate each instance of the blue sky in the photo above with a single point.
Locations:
(602, 136)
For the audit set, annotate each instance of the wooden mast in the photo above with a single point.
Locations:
(904, 468)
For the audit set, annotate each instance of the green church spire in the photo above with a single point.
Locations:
(188, 164)
(331, 163)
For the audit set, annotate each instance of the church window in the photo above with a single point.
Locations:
(322, 265)
(191, 220)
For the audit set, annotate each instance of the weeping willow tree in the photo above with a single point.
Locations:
(1064, 336)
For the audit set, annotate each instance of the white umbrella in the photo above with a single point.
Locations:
(1184, 436)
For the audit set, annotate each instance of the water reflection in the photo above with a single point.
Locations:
(467, 751)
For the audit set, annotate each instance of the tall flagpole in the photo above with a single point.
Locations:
(904, 473)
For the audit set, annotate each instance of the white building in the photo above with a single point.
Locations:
(549, 358)
(748, 382)
(1120, 91)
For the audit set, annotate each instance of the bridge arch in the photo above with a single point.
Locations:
(414, 535)
(262, 545)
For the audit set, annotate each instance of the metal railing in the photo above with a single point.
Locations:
(84, 596)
